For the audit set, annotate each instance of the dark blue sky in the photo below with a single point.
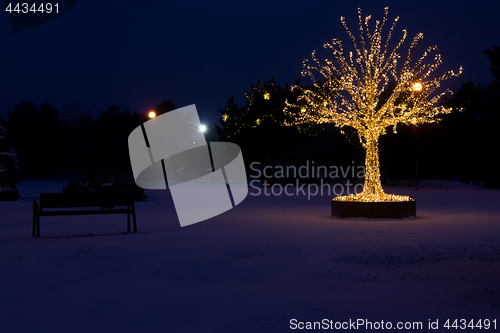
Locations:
(138, 53)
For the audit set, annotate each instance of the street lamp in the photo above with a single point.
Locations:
(151, 114)
(417, 88)
(203, 128)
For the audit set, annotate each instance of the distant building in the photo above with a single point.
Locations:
(73, 113)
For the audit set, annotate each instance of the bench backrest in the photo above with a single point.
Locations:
(63, 200)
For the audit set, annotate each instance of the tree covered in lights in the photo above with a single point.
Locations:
(258, 126)
(370, 89)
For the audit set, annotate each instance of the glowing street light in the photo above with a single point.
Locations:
(151, 114)
(417, 86)
(203, 128)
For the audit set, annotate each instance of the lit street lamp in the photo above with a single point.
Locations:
(417, 88)
(151, 114)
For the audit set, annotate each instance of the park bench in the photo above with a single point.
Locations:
(93, 203)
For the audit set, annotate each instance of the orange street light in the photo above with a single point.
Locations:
(151, 114)
(417, 86)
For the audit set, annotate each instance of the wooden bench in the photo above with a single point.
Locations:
(104, 201)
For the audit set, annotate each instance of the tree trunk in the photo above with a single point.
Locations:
(372, 190)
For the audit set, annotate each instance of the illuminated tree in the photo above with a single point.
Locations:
(258, 126)
(369, 90)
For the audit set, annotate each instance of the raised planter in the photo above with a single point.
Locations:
(382, 209)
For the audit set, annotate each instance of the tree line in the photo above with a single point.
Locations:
(463, 145)
(52, 147)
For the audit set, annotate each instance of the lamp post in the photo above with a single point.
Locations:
(417, 88)
(151, 114)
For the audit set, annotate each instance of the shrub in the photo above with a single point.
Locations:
(102, 183)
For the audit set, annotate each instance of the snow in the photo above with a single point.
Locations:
(253, 269)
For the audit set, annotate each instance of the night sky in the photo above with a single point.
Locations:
(136, 54)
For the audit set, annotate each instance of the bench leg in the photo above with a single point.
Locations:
(128, 218)
(35, 215)
(133, 216)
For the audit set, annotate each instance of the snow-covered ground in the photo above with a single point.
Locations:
(253, 269)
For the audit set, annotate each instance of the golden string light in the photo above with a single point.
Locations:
(357, 91)
(252, 115)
